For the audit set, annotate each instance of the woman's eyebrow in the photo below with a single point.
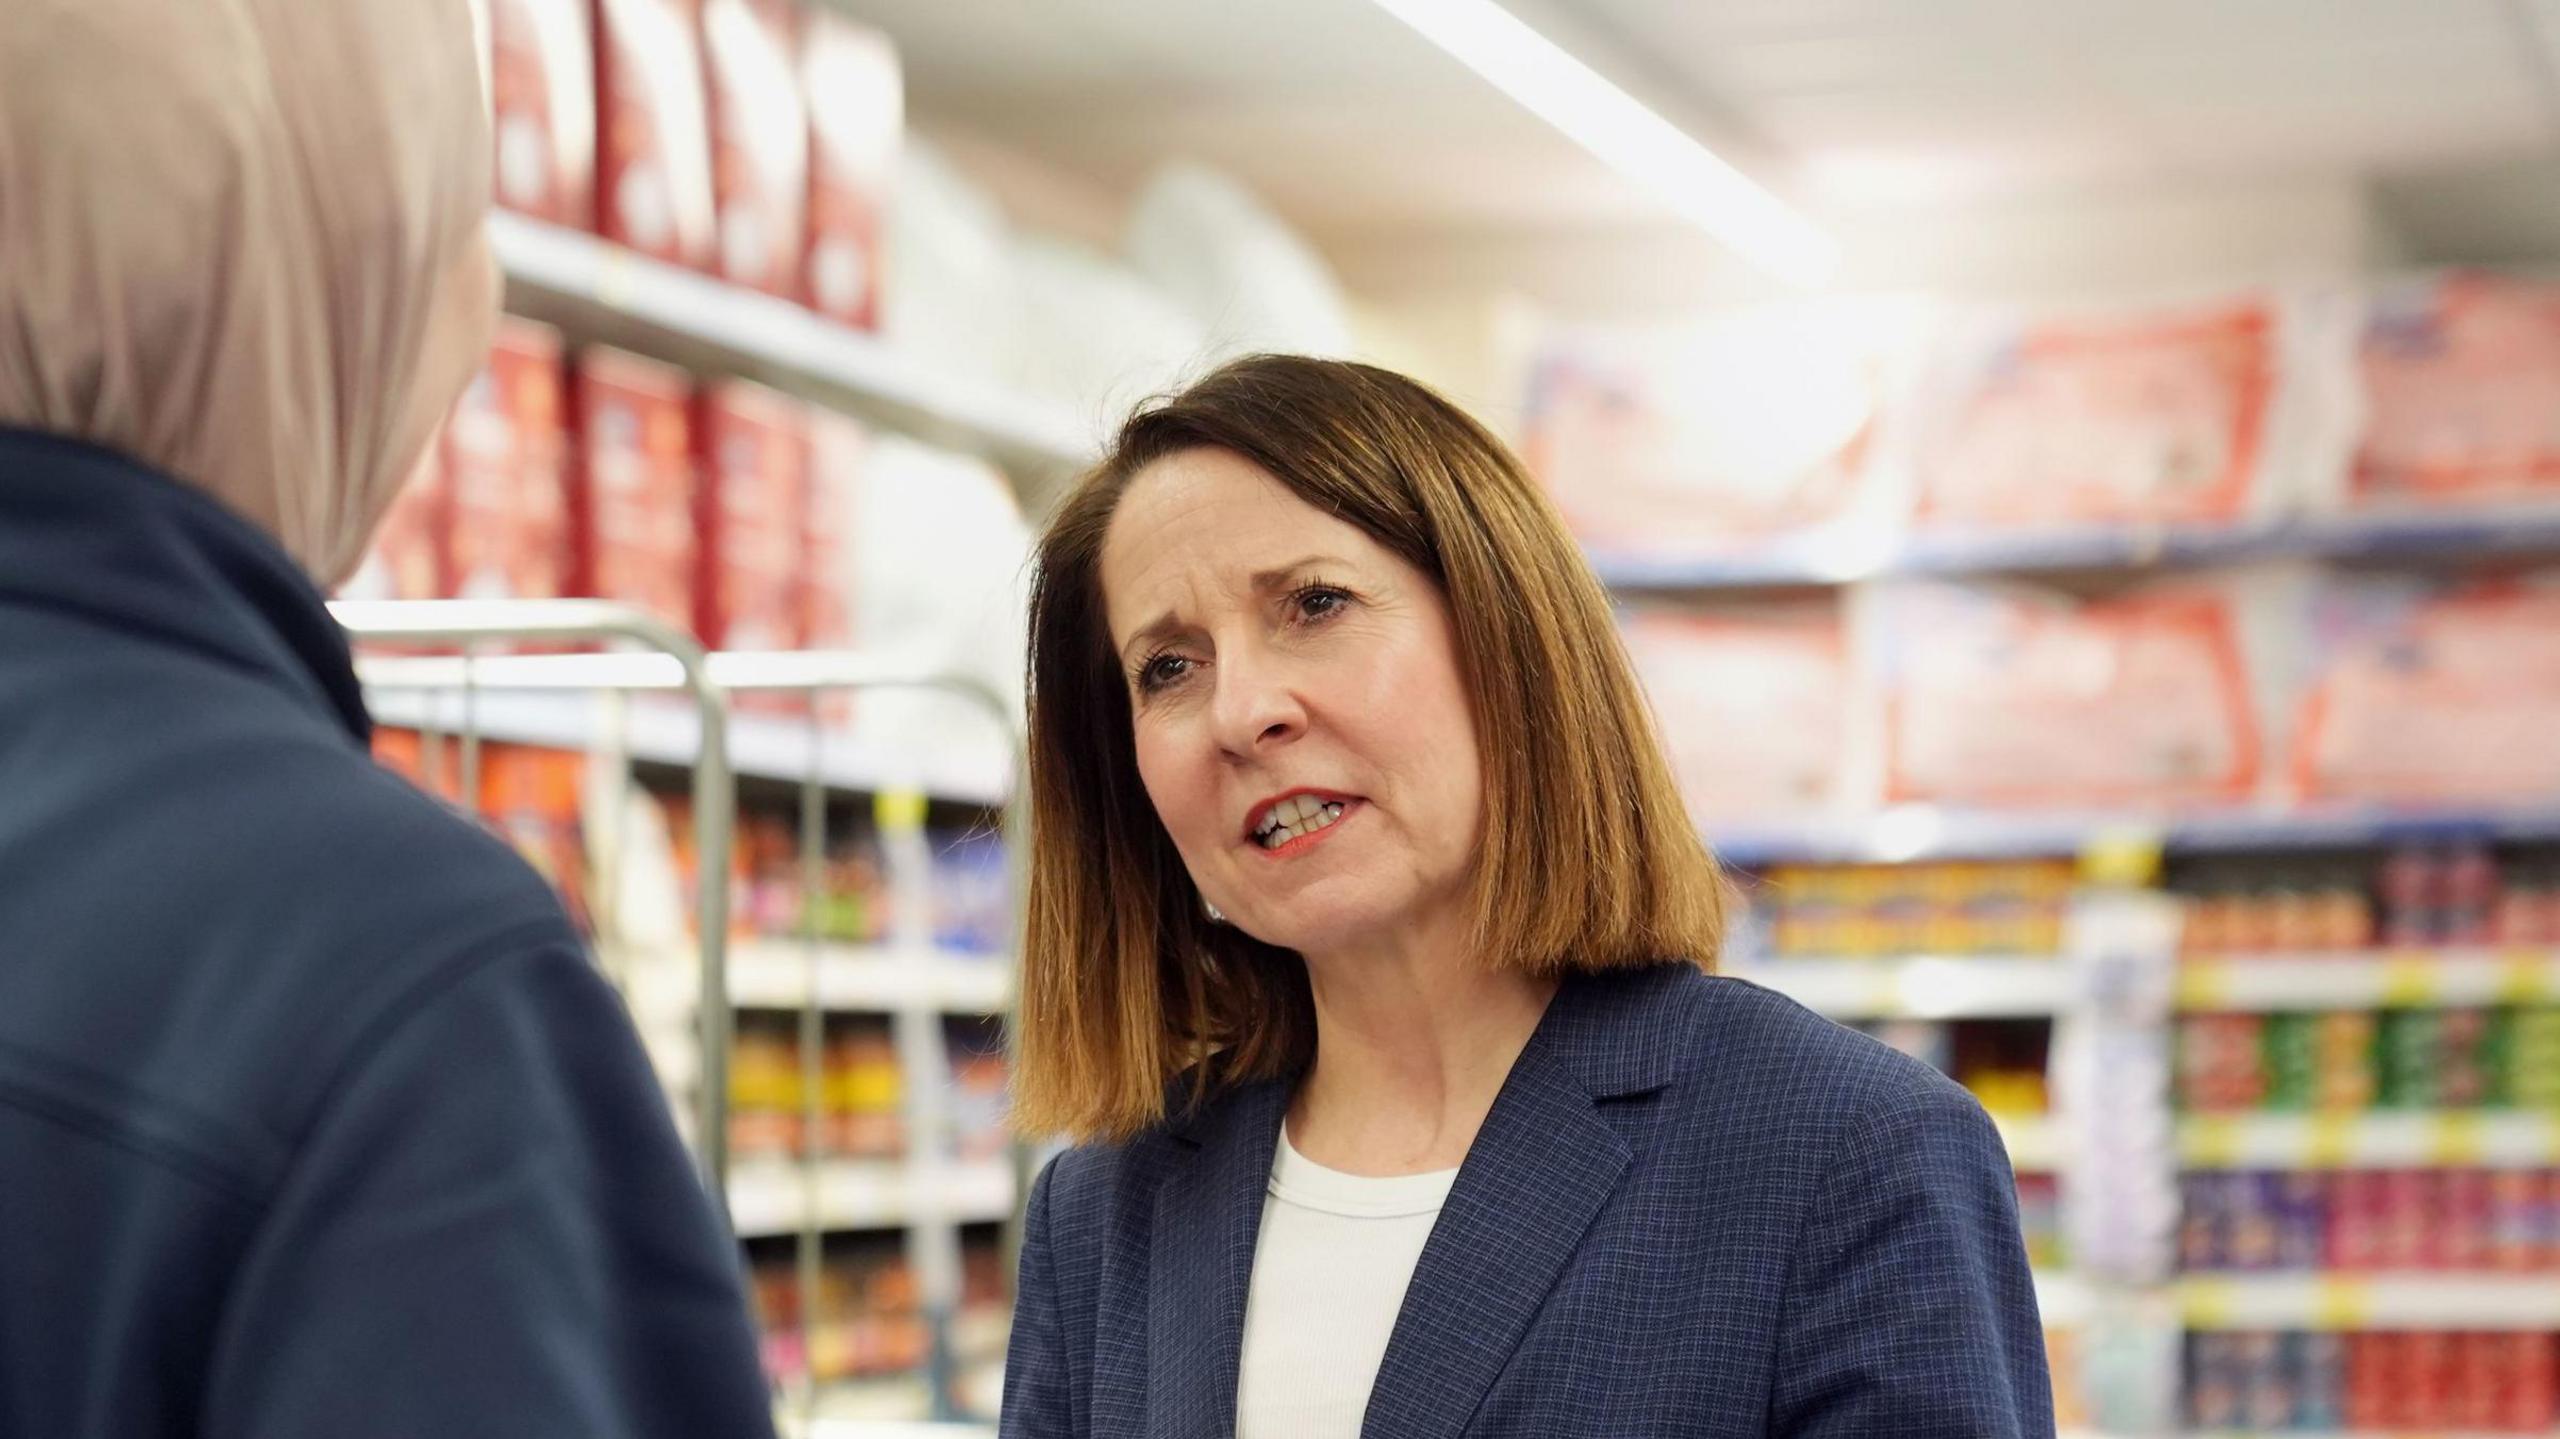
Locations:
(1279, 575)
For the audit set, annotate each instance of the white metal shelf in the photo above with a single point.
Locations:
(770, 1197)
(2035, 1142)
(1919, 986)
(2063, 1299)
(970, 769)
(2378, 1301)
(1924, 832)
(2414, 1139)
(775, 974)
(597, 290)
(2394, 979)
(1825, 561)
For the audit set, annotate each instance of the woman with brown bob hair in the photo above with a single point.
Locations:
(1370, 964)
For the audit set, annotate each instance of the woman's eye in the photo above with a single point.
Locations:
(1321, 603)
(1163, 670)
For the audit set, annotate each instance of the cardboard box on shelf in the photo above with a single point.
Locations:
(752, 516)
(2429, 690)
(857, 119)
(1701, 437)
(506, 449)
(407, 560)
(654, 135)
(2012, 695)
(1754, 704)
(759, 141)
(2461, 382)
(632, 497)
(542, 94)
(2121, 418)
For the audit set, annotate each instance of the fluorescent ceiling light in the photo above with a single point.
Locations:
(1621, 131)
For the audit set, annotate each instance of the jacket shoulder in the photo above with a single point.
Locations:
(1767, 1061)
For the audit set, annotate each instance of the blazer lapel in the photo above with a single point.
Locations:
(1533, 1181)
(1538, 1174)
(1208, 1215)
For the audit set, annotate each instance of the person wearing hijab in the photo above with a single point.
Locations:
(315, 1119)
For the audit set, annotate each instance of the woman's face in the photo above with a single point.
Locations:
(1302, 727)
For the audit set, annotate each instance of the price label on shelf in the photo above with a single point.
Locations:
(2212, 1141)
(2409, 982)
(2455, 1140)
(2524, 977)
(1881, 990)
(899, 810)
(2342, 1303)
(2209, 1303)
(2204, 985)
(2331, 1142)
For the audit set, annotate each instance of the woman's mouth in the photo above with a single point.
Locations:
(1291, 822)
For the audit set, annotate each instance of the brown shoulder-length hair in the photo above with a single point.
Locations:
(1588, 860)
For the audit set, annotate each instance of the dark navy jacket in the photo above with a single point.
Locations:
(1695, 1209)
(315, 1121)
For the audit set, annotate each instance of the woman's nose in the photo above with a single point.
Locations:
(1255, 706)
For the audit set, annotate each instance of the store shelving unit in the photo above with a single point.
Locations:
(2416, 1139)
(2397, 979)
(596, 290)
(1822, 562)
(1920, 986)
(1919, 832)
(2378, 1301)
(769, 1198)
(777, 974)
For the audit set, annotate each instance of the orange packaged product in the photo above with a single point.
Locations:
(506, 449)
(2009, 696)
(653, 162)
(857, 121)
(632, 496)
(759, 141)
(542, 98)
(2145, 418)
(2460, 378)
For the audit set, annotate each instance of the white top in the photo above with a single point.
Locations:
(1329, 1274)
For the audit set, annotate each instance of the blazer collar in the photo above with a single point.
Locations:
(1540, 1170)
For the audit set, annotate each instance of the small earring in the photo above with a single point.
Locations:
(1216, 916)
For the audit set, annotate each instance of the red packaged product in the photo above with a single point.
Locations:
(2372, 1380)
(751, 516)
(654, 141)
(2355, 1222)
(2530, 1367)
(407, 559)
(759, 141)
(2463, 1235)
(542, 98)
(2406, 1233)
(507, 450)
(857, 121)
(2428, 1379)
(631, 503)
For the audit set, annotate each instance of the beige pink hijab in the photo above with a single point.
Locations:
(241, 240)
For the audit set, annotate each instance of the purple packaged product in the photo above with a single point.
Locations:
(2201, 1226)
(2254, 1222)
(2302, 1209)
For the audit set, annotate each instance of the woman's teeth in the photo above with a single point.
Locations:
(1296, 816)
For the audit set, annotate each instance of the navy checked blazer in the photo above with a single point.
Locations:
(1695, 1209)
